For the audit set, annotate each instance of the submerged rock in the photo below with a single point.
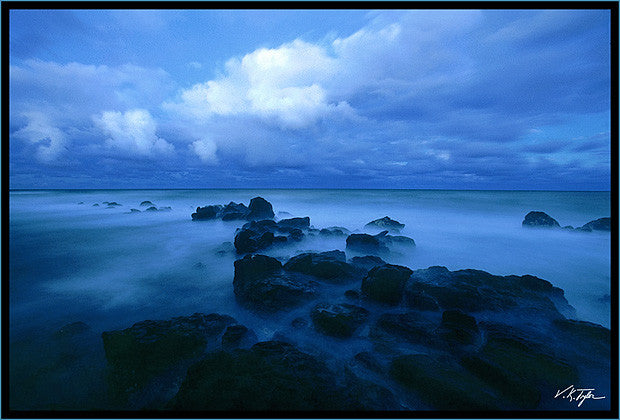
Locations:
(386, 283)
(261, 283)
(335, 231)
(206, 213)
(539, 219)
(258, 235)
(295, 222)
(151, 209)
(338, 320)
(386, 223)
(146, 204)
(329, 265)
(113, 204)
(134, 211)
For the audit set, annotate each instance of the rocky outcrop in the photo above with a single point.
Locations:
(146, 204)
(258, 235)
(338, 320)
(386, 224)
(261, 283)
(330, 266)
(378, 244)
(386, 283)
(539, 219)
(258, 209)
(603, 224)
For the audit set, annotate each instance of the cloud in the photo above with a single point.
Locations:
(40, 130)
(206, 150)
(133, 132)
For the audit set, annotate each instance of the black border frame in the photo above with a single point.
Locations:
(612, 6)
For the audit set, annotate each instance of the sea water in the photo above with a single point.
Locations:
(110, 268)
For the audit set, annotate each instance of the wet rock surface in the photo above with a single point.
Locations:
(258, 209)
(386, 223)
(330, 266)
(386, 283)
(539, 219)
(338, 320)
(379, 244)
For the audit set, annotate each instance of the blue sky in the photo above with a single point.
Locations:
(465, 99)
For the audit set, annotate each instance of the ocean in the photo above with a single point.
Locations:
(72, 261)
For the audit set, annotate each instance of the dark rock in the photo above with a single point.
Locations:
(138, 353)
(595, 338)
(71, 330)
(329, 265)
(295, 222)
(386, 223)
(206, 213)
(257, 235)
(458, 327)
(272, 375)
(386, 283)
(238, 336)
(335, 231)
(146, 204)
(442, 385)
(368, 361)
(420, 300)
(411, 327)
(377, 244)
(338, 320)
(113, 204)
(366, 263)
(364, 243)
(603, 223)
(259, 209)
(539, 219)
(105, 202)
(151, 209)
(233, 211)
(261, 283)
(475, 290)
(352, 294)
(81, 202)
(95, 205)
(299, 323)
(366, 395)
(134, 211)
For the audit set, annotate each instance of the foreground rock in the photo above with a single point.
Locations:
(386, 223)
(258, 209)
(138, 353)
(330, 266)
(378, 244)
(272, 375)
(261, 283)
(386, 283)
(338, 320)
(539, 219)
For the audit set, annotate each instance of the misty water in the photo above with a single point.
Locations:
(110, 268)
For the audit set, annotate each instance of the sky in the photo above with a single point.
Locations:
(437, 99)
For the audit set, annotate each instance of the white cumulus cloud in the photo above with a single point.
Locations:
(133, 131)
(40, 129)
(205, 149)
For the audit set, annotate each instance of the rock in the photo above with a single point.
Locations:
(233, 211)
(198, 266)
(335, 231)
(377, 244)
(390, 330)
(81, 202)
(165, 208)
(368, 361)
(148, 348)
(338, 320)
(71, 330)
(258, 235)
(329, 266)
(299, 323)
(385, 283)
(458, 327)
(95, 205)
(146, 204)
(352, 294)
(151, 209)
(206, 213)
(366, 263)
(364, 243)
(442, 385)
(475, 290)
(261, 283)
(295, 222)
(539, 219)
(134, 211)
(603, 224)
(420, 300)
(592, 338)
(238, 336)
(386, 223)
(259, 209)
(272, 375)
(113, 204)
